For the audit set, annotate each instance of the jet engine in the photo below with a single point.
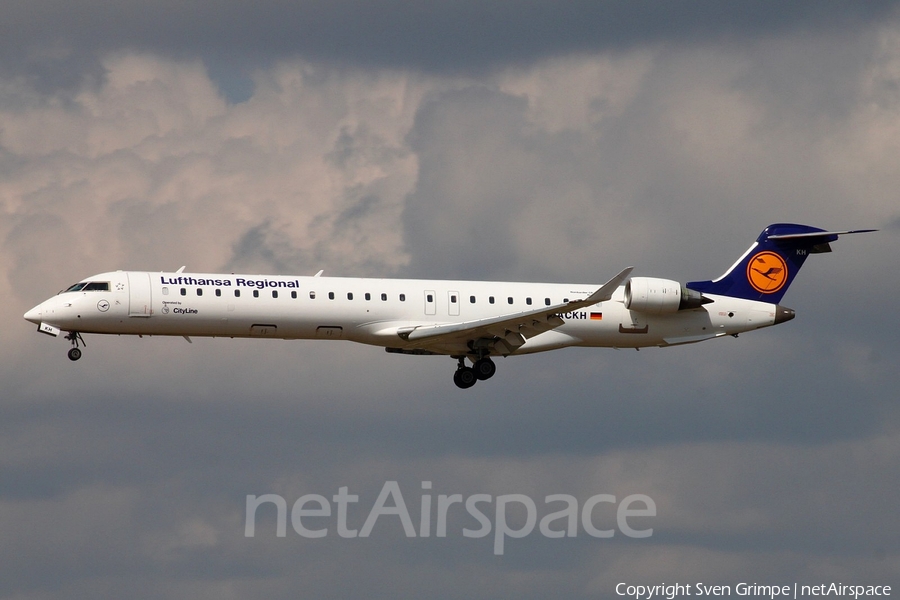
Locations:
(660, 296)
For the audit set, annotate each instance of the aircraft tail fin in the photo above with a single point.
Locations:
(765, 271)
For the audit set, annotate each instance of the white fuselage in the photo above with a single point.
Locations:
(374, 311)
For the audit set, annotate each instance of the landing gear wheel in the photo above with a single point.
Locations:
(464, 378)
(76, 339)
(484, 368)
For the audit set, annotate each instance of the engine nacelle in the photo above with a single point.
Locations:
(660, 296)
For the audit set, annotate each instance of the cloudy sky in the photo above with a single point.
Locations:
(517, 140)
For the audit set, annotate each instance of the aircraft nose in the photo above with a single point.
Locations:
(34, 315)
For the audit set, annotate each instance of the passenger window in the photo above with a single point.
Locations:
(472, 299)
(256, 293)
(294, 295)
(430, 298)
(402, 297)
(547, 301)
(349, 295)
(331, 295)
(218, 292)
(509, 300)
(274, 293)
(183, 292)
(368, 296)
(491, 299)
(237, 293)
(453, 299)
(312, 295)
(528, 301)
(199, 291)
(384, 297)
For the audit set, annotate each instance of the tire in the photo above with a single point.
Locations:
(484, 369)
(74, 354)
(464, 378)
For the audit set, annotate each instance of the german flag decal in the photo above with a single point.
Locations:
(596, 316)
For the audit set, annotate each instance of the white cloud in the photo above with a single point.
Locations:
(153, 167)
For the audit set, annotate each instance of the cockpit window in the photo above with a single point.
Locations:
(89, 286)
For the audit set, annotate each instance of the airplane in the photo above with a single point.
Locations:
(467, 320)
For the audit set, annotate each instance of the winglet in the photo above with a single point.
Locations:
(608, 289)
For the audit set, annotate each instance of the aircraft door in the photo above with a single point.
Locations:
(430, 302)
(139, 295)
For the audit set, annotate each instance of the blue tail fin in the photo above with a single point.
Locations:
(767, 269)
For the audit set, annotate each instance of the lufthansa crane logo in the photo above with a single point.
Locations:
(767, 272)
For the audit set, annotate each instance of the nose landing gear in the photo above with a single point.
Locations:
(76, 339)
(465, 377)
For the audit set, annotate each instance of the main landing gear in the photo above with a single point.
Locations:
(76, 339)
(465, 377)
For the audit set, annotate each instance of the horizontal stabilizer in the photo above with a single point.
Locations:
(814, 234)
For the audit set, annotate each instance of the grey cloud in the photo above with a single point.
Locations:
(435, 36)
(262, 250)
(702, 139)
(398, 29)
(458, 215)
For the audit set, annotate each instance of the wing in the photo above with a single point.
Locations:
(514, 328)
